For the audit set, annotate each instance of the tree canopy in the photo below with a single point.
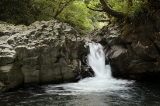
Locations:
(81, 14)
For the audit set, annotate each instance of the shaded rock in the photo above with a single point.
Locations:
(6, 59)
(133, 50)
(47, 74)
(156, 18)
(31, 74)
(119, 59)
(1, 86)
(11, 76)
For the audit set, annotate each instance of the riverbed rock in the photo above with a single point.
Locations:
(43, 53)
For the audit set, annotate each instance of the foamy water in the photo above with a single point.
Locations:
(102, 82)
(96, 60)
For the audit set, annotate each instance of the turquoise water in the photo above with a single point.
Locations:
(136, 94)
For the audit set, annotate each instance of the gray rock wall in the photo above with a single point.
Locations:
(44, 52)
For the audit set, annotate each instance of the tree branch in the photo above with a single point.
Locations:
(110, 11)
(61, 9)
(94, 9)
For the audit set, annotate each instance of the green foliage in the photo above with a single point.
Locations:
(43, 9)
(80, 17)
(15, 11)
(26, 12)
(139, 16)
(76, 16)
(122, 5)
(73, 12)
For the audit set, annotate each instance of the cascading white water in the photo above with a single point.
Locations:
(96, 60)
(102, 82)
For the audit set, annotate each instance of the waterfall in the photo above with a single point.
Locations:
(96, 60)
(102, 82)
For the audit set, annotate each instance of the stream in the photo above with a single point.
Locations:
(136, 94)
(101, 90)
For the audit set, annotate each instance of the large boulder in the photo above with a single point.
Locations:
(133, 50)
(44, 52)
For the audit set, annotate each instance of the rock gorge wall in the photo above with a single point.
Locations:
(48, 51)
(44, 52)
(133, 50)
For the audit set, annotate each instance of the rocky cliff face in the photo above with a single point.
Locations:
(49, 52)
(44, 52)
(133, 50)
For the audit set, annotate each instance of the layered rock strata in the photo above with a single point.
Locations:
(44, 52)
